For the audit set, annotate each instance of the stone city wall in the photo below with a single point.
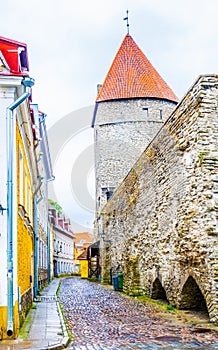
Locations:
(162, 220)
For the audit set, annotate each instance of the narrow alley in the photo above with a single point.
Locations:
(100, 318)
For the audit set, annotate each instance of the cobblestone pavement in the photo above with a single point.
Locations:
(100, 318)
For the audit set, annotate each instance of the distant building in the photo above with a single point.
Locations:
(83, 264)
(82, 241)
(63, 244)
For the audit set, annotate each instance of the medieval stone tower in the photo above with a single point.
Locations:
(131, 106)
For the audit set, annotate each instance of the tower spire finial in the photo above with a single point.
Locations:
(127, 20)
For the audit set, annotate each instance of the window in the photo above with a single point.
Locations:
(25, 189)
(145, 111)
(20, 177)
(28, 198)
(109, 194)
(40, 253)
(161, 114)
(45, 263)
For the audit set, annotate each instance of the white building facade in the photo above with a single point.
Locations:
(63, 243)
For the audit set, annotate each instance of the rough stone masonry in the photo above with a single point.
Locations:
(122, 131)
(162, 219)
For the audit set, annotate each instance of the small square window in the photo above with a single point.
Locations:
(161, 114)
(145, 111)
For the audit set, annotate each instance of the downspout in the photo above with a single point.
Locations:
(36, 243)
(36, 230)
(49, 177)
(49, 241)
(11, 195)
(49, 252)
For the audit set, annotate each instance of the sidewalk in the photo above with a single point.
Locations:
(44, 327)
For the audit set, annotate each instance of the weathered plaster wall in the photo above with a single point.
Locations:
(162, 220)
(24, 230)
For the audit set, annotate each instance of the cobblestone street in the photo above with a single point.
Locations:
(100, 318)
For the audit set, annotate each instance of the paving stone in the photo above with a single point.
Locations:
(100, 318)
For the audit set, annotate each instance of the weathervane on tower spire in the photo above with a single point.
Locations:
(127, 20)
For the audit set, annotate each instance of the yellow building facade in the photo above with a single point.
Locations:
(82, 241)
(18, 173)
(84, 268)
(24, 173)
(25, 238)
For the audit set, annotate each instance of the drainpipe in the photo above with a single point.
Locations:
(36, 243)
(11, 197)
(49, 253)
(49, 241)
(36, 230)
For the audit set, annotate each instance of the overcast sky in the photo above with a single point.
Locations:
(71, 45)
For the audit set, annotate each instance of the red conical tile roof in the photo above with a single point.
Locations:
(131, 75)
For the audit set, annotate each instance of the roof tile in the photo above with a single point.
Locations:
(131, 75)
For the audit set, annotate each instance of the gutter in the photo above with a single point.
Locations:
(11, 197)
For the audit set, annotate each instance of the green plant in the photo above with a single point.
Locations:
(59, 286)
(56, 206)
(201, 156)
(170, 307)
(63, 315)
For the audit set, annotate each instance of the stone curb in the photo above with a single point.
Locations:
(66, 340)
